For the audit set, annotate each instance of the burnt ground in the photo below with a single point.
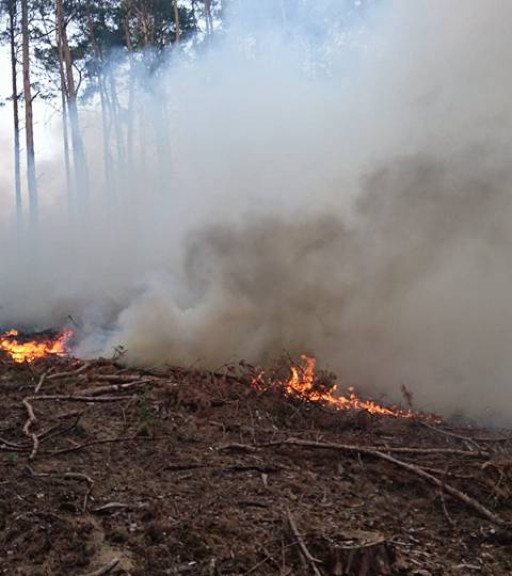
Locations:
(188, 472)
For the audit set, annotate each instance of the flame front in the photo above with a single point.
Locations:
(29, 351)
(303, 383)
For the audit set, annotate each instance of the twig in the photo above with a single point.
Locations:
(468, 500)
(73, 398)
(13, 445)
(116, 387)
(391, 449)
(57, 431)
(119, 378)
(68, 475)
(471, 438)
(93, 443)
(236, 447)
(451, 435)
(59, 375)
(105, 569)
(449, 519)
(304, 549)
(26, 428)
(41, 381)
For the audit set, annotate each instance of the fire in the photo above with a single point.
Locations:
(304, 384)
(29, 350)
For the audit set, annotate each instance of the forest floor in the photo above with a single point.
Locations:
(109, 470)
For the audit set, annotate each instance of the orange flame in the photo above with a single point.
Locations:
(303, 383)
(31, 350)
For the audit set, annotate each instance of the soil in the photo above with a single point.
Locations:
(133, 472)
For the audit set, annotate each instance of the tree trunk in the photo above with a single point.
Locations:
(29, 124)
(80, 161)
(177, 32)
(65, 128)
(208, 17)
(131, 93)
(106, 108)
(118, 131)
(16, 112)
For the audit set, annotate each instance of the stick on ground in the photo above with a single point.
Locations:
(302, 545)
(105, 569)
(461, 496)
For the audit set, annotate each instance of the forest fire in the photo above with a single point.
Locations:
(304, 383)
(27, 349)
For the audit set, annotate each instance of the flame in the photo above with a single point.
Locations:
(28, 351)
(303, 383)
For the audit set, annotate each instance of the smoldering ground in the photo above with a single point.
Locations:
(362, 217)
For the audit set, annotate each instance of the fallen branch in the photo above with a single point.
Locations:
(26, 428)
(73, 398)
(60, 375)
(116, 387)
(470, 441)
(105, 569)
(370, 451)
(390, 449)
(119, 378)
(68, 475)
(40, 382)
(10, 444)
(58, 431)
(93, 443)
(302, 545)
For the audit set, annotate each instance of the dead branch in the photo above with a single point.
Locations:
(41, 382)
(302, 545)
(106, 568)
(470, 441)
(73, 398)
(391, 449)
(116, 387)
(370, 451)
(94, 443)
(60, 375)
(118, 378)
(68, 475)
(236, 447)
(26, 428)
(13, 445)
(58, 431)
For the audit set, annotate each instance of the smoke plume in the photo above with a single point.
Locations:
(347, 198)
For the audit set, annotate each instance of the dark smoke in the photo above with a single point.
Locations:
(363, 217)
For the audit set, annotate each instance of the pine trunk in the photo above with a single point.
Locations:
(177, 32)
(80, 161)
(65, 127)
(16, 112)
(29, 123)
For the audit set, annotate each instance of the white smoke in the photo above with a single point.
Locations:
(346, 197)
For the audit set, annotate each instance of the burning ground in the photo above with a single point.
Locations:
(239, 471)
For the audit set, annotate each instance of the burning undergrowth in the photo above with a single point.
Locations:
(179, 470)
(292, 378)
(298, 379)
(27, 347)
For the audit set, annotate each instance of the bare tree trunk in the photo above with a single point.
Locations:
(131, 93)
(29, 124)
(177, 32)
(106, 109)
(194, 15)
(65, 128)
(208, 17)
(16, 112)
(119, 136)
(80, 161)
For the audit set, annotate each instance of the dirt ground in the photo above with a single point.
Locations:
(186, 472)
